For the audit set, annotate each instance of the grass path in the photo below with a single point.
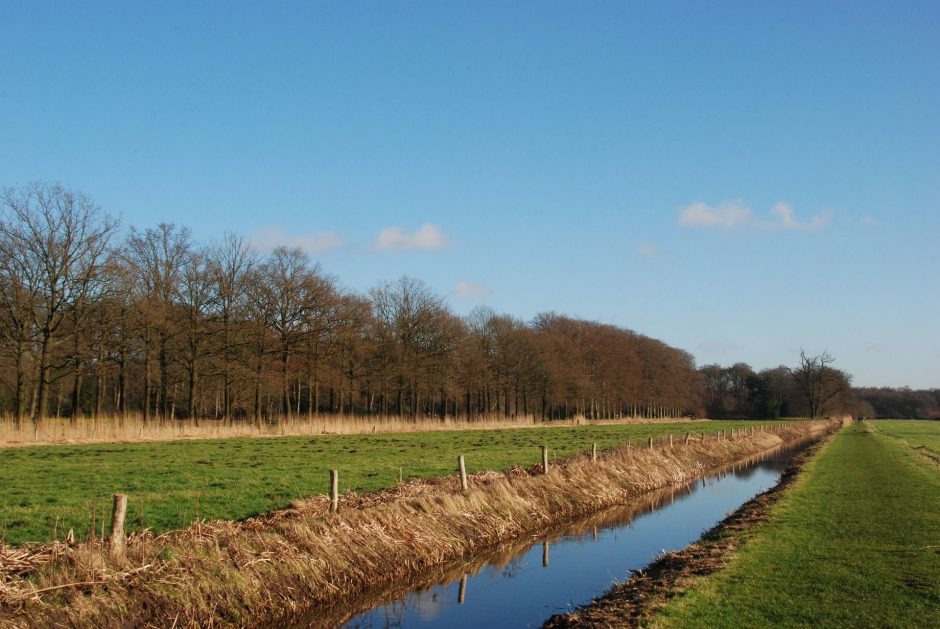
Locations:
(855, 542)
(50, 489)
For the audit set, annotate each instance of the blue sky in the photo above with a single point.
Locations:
(739, 179)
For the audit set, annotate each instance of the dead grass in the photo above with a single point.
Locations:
(134, 429)
(277, 566)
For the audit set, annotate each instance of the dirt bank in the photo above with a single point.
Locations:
(635, 601)
(272, 567)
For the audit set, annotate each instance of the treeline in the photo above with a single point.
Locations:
(95, 322)
(812, 389)
(902, 403)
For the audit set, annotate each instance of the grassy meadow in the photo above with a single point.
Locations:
(917, 434)
(47, 490)
(854, 542)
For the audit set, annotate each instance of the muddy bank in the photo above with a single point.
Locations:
(271, 568)
(633, 602)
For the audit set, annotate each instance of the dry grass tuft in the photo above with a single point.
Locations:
(134, 429)
(304, 558)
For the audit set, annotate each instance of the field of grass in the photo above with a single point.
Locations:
(916, 433)
(46, 490)
(855, 542)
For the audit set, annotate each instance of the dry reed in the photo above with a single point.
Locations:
(134, 429)
(303, 559)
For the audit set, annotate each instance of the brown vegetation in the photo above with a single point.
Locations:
(155, 324)
(136, 429)
(276, 566)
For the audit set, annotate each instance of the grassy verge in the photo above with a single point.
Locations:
(919, 434)
(47, 490)
(855, 542)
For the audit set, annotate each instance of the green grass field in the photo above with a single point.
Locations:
(855, 542)
(50, 489)
(915, 433)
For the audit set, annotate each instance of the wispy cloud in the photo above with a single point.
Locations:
(870, 221)
(471, 290)
(785, 218)
(428, 237)
(267, 238)
(647, 250)
(737, 215)
(728, 215)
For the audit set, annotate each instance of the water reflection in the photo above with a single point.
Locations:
(524, 582)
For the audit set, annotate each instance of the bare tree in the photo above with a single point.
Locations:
(415, 326)
(196, 298)
(817, 381)
(157, 257)
(230, 264)
(293, 286)
(19, 297)
(62, 237)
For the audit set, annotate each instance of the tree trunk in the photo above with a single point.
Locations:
(164, 378)
(148, 388)
(285, 384)
(20, 395)
(193, 381)
(42, 394)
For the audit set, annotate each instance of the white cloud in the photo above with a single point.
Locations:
(786, 219)
(267, 238)
(427, 237)
(470, 290)
(868, 220)
(735, 214)
(728, 215)
(647, 250)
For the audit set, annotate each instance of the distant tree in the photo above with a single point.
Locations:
(156, 258)
(414, 325)
(19, 297)
(230, 264)
(59, 240)
(817, 381)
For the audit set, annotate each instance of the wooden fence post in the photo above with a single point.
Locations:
(463, 473)
(334, 491)
(594, 453)
(688, 437)
(117, 525)
(545, 554)
(545, 459)
(670, 440)
(462, 591)
(651, 443)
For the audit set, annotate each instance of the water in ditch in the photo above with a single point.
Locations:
(524, 583)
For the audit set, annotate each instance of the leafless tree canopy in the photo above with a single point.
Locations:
(154, 323)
